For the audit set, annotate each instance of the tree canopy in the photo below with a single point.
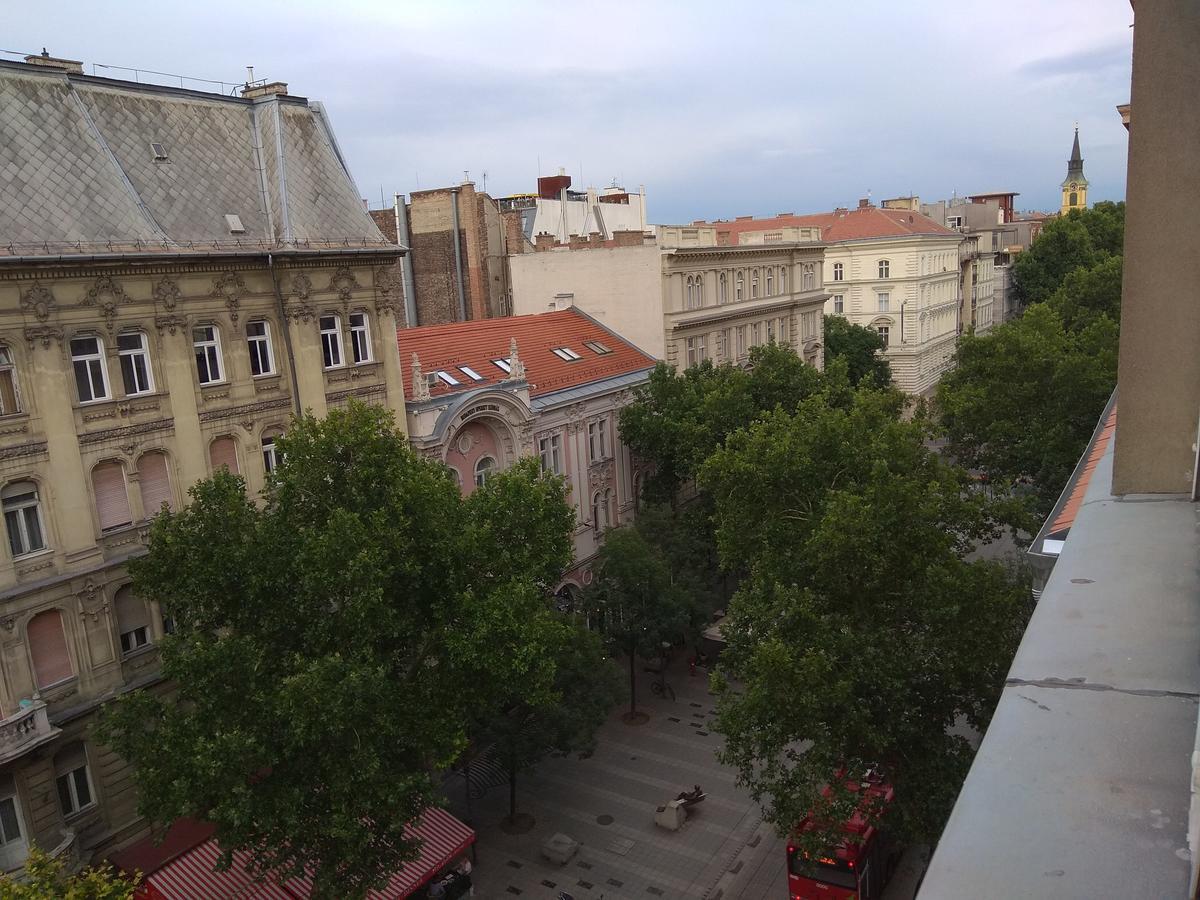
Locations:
(333, 644)
(861, 635)
(861, 348)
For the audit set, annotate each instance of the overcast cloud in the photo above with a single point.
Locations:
(719, 109)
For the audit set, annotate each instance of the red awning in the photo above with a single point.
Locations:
(192, 874)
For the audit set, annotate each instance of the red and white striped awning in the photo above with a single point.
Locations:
(192, 875)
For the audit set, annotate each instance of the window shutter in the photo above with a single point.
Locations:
(132, 611)
(112, 503)
(48, 649)
(223, 452)
(155, 482)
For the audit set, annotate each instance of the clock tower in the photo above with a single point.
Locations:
(1074, 187)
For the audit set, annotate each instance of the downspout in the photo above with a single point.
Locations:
(406, 266)
(287, 335)
(462, 298)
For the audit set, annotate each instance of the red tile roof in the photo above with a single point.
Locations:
(475, 344)
(840, 225)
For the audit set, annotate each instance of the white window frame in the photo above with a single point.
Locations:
(839, 272)
(360, 338)
(9, 369)
(132, 355)
(885, 268)
(73, 789)
(483, 474)
(333, 354)
(261, 347)
(550, 453)
(20, 509)
(839, 304)
(210, 347)
(93, 364)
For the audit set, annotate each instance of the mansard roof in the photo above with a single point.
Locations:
(89, 164)
(476, 345)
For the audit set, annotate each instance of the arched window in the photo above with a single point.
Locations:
(154, 482)
(112, 497)
(884, 268)
(23, 518)
(722, 288)
(839, 272)
(73, 780)
(223, 452)
(770, 282)
(739, 286)
(133, 620)
(484, 469)
(10, 396)
(48, 649)
(753, 284)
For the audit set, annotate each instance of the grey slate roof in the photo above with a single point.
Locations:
(76, 167)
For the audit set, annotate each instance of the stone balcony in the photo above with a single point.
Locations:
(25, 730)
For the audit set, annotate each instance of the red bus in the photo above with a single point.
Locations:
(859, 867)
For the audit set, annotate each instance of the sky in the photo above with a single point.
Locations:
(718, 109)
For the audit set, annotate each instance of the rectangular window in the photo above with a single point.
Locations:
(360, 337)
(839, 304)
(598, 440)
(74, 790)
(91, 375)
(262, 356)
(884, 302)
(10, 401)
(550, 452)
(135, 363)
(331, 341)
(207, 343)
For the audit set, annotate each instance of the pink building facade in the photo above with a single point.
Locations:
(485, 393)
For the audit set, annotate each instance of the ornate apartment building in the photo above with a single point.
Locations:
(180, 273)
(680, 296)
(485, 393)
(893, 270)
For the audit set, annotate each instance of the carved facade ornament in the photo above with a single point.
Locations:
(420, 384)
(516, 368)
(43, 333)
(389, 291)
(343, 283)
(106, 295)
(230, 287)
(39, 302)
(166, 293)
(171, 323)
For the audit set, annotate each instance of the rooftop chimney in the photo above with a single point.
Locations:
(268, 89)
(46, 61)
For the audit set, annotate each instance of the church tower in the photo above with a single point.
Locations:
(1074, 187)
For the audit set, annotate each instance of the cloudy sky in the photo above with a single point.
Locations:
(719, 109)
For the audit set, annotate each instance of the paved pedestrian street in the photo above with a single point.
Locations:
(608, 801)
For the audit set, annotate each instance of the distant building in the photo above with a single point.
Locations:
(686, 300)
(1075, 185)
(891, 269)
(485, 393)
(180, 273)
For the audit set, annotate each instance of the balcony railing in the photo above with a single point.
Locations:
(25, 730)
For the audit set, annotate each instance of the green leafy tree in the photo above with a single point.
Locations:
(45, 878)
(634, 599)
(861, 635)
(586, 687)
(334, 643)
(1023, 400)
(861, 348)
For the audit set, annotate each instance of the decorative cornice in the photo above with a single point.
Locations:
(232, 412)
(95, 437)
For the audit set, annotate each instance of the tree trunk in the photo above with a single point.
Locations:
(512, 789)
(632, 682)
